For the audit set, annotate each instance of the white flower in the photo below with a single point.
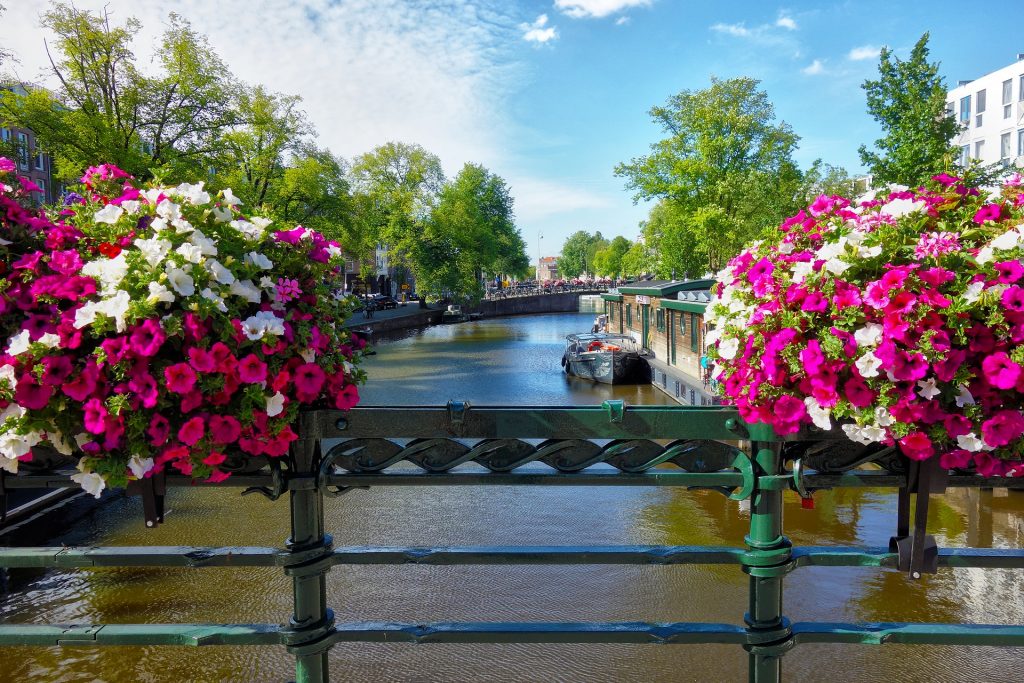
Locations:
(152, 195)
(248, 229)
(131, 205)
(219, 272)
(205, 244)
(1008, 240)
(108, 214)
(159, 294)
(13, 446)
(869, 252)
(869, 335)
(168, 210)
(140, 466)
(786, 248)
(158, 225)
(182, 226)
(155, 249)
(308, 355)
(190, 252)
(109, 272)
(275, 404)
(836, 266)
(246, 290)
(830, 250)
(985, 255)
(263, 323)
(18, 344)
(259, 260)
(193, 193)
(222, 215)
(181, 282)
(267, 283)
(964, 398)
(334, 251)
(801, 270)
(973, 291)
(90, 482)
(81, 439)
(7, 373)
(868, 364)
(728, 348)
(86, 315)
(59, 443)
(873, 433)
(261, 222)
(971, 442)
(211, 295)
(820, 416)
(116, 307)
(229, 198)
(927, 388)
(903, 207)
(882, 417)
(50, 340)
(712, 336)
(896, 187)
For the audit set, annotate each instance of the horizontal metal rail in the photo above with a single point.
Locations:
(254, 556)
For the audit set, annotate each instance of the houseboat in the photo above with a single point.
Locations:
(605, 358)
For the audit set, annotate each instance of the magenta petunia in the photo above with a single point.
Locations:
(179, 378)
(147, 338)
(917, 446)
(309, 380)
(1004, 427)
(988, 212)
(192, 431)
(201, 360)
(1000, 371)
(224, 429)
(95, 416)
(31, 395)
(252, 370)
(159, 429)
(1013, 299)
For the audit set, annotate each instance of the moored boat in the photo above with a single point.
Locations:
(605, 358)
(454, 314)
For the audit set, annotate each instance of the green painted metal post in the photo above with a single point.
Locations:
(765, 561)
(311, 619)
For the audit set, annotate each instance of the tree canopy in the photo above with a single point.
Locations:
(908, 100)
(578, 253)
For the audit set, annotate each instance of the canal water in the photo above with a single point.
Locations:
(516, 361)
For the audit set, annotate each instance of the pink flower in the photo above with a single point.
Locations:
(1009, 271)
(7, 166)
(147, 338)
(1013, 298)
(57, 370)
(956, 459)
(988, 212)
(145, 388)
(1004, 427)
(858, 393)
(179, 378)
(31, 395)
(309, 379)
(84, 385)
(347, 398)
(286, 290)
(909, 367)
(917, 446)
(218, 476)
(66, 262)
(159, 429)
(789, 409)
(192, 431)
(957, 425)
(252, 370)
(95, 416)
(934, 244)
(226, 361)
(214, 458)
(815, 302)
(1000, 371)
(224, 429)
(201, 360)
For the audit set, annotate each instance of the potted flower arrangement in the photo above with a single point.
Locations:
(149, 327)
(898, 318)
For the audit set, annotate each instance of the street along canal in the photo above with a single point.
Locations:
(516, 361)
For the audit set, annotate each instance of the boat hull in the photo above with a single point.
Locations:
(607, 367)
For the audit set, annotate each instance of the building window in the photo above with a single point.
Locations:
(965, 109)
(977, 121)
(23, 151)
(979, 149)
(1020, 90)
(5, 134)
(965, 155)
(1008, 91)
(629, 315)
(981, 102)
(40, 163)
(611, 313)
(693, 332)
(659, 319)
(1004, 146)
(1020, 142)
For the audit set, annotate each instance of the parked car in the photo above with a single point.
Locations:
(384, 302)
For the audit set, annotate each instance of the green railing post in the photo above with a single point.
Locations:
(766, 561)
(311, 620)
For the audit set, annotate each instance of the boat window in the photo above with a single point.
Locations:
(659, 318)
(629, 315)
(682, 323)
(693, 332)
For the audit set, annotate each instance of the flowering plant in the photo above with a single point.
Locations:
(900, 315)
(156, 326)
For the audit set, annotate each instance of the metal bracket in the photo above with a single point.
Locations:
(616, 409)
(457, 416)
(918, 552)
(326, 467)
(806, 494)
(153, 490)
(278, 485)
(3, 497)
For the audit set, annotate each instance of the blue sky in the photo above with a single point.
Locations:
(552, 94)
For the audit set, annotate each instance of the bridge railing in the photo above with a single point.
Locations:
(608, 445)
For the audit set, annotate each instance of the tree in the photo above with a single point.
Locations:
(909, 102)
(608, 260)
(578, 253)
(314, 191)
(725, 171)
(825, 179)
(5, 55)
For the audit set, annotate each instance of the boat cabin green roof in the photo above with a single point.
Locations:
(665, 288)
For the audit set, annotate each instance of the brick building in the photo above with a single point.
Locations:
(33, 162)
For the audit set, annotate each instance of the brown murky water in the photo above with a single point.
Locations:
(517, 361)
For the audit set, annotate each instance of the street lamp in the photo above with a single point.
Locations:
(539, 238)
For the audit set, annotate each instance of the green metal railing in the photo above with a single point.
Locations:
(608, 445)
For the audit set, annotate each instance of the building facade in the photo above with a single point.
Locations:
(548, 268)
(667, 319)
(990, 111)
(32, 160)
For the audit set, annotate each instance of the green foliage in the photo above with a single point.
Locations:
(578, 253)
(608, 260)
(908, 100)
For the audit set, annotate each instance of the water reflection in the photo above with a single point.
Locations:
(516, 360)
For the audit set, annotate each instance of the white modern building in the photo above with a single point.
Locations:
(990, 111)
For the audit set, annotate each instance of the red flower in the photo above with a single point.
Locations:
(109, 250)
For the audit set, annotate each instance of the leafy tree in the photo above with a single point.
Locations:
(822, 178)
(608, 260)
(578, 253)
(5, 55)
(909, 102)
(638, 260)
(314, 191)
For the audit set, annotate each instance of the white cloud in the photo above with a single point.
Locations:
(858, 54)
(738, 30)
(814, 68)
(622, 21)
(536, 33)
(786, 22)
(539, 198)
(596, 9)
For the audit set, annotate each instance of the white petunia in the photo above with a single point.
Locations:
(108, 271)
(159, 294)
(18, 343)
(873, 433)
(820, 416)
(131, 205)
(211, 295)
(261, 222)
(140, 466)
(267, 283)
(972, 442)
(801, 270)
(205, 244)
(883, 417)
(869, 335)
(158, 225)
(181, 282)
(334, 251)
(116, 307)
(59, 443)
(275, 404)
(836, 266)
(869, 252)
(973, 291)
(1008, 240)
(108, 214)
(222, 215)
(153, 195)
(308, 355)
(248, 229)
(91, 482)
(219, 272)
(246, 290)
(728, 348)
(263, 323)
(50, 340)
(927, 388)
(193, 193)
(229, 198)
(168, 210)
(868, 365)
(902, 207)
(259, 260)
(154, 250)
(985, 255)
(964, 398)
(7, 374)
(190, 252)
(182, 226)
